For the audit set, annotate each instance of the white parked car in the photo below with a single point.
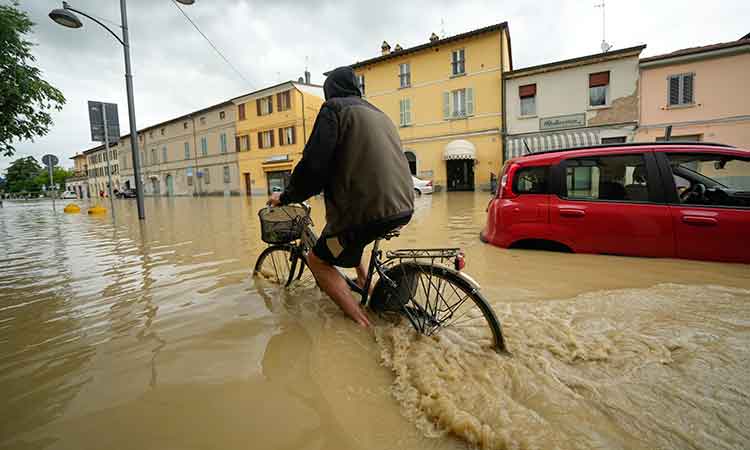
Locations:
(68, 195)
(422, 186)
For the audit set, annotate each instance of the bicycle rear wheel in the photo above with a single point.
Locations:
(435, 298)
(279, 265)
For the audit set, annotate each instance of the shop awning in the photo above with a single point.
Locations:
(550, 141)
(460, 149)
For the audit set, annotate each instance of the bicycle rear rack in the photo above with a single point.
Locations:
(433, 254)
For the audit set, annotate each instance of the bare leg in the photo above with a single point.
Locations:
(361, 273)
(334, 285)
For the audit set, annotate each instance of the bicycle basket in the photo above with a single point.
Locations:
(282, 224)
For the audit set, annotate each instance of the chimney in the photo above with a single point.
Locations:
(385, 48)
(398, 48)
(434, 38)
(300, 80)
(307, 77)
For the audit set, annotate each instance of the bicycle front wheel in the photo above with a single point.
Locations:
(279, 265)
(435, 298)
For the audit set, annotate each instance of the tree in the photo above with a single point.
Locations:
(21, 175)
(59, 175)
(25, 98)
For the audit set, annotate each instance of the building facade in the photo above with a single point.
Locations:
(702, 92)
(194, 154)
(445, 97)
(273, 126)
(78, 183)
(572, 103)
(99, 163)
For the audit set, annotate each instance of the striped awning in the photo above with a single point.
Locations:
(517, 146)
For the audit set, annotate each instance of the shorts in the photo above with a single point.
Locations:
(345, 249)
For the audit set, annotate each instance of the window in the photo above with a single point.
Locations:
(284, 101)
(458, 62)
(287, 136)
(458, 103)
(187, 150)
(223, 143)
(207, 175)
(241, 111)
(264, 105)
(222, 115)
(184, 125)
(164, 153)
(203, 120)
(404, 75)
(683, 138)
(681, 89)
(227, 175)
(531, 180)
(598, 87)
(189, 176)
(618, 177)
(204, 146)
(162, 131)
(361, 84)
(150, 134)
(405, 112)
(711, 179)
(614, 140)
(527, 95)
(265, 139)
(154, 158)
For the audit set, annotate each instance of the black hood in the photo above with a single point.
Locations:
(341, 82)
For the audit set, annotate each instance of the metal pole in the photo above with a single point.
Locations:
(106, 150)
(51, 185)
(131, 113)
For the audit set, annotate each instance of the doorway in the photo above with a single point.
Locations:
(248, 186)
(170, 185)
(155, 188)
(460, 174)
(412, 159)
(278, 181)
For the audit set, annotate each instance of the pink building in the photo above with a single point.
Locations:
(703, 92)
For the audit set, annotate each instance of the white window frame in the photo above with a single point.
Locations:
(288, 135)
(266, 137)
(404, 107)
(204, 146)
(186, 149)
(533, 99)
(404, 75)
(164, 154)
(458, 57)
(361, 84)
(265, 105)
(458, 103)
(227, 175)
(223, 143)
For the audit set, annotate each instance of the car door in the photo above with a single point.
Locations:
(613, 204)
(712, 225)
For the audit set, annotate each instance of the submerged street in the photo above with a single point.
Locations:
(120, 334)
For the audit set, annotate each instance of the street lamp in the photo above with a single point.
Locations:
(65, 16)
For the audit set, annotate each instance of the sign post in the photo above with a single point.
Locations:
(51, 161)
(105, 123)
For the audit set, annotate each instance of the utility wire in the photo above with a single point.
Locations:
(212, 44)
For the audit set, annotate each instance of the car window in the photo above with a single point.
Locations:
(711, 179)
(532, 180)
(616, 177)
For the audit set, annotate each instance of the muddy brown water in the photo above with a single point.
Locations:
(115, 334)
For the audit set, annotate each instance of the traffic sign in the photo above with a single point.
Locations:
(96, 120)
(50, 160)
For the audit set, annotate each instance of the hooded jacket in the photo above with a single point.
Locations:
(354, 157)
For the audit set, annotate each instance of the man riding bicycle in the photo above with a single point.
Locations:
(354, 157)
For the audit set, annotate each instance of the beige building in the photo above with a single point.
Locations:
(194, 154)
(98, 170)
(702, 92)
(78, 183)
(577, 102)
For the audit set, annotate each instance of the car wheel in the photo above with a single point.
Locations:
(417, 192)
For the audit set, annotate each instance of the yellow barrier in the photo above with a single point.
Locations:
(72, 208)
(97, 210)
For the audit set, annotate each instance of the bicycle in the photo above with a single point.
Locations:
(416, 283)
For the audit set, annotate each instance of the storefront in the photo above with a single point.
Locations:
(460, 157)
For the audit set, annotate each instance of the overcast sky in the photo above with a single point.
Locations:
(176, 71)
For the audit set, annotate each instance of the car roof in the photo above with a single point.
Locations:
(631, 147)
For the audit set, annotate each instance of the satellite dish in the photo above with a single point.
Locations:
(605, 47)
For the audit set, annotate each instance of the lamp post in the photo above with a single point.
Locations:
(65, 16)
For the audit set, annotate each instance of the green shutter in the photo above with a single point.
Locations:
(470, 102)
(408, 111)
(401, 112)
(446, 105)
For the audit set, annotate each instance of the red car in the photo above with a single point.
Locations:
(684, 200)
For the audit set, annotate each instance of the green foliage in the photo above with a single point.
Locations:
(21, 175)
(59, 175)
(25, 98)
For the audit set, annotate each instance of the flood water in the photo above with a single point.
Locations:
(115, 334)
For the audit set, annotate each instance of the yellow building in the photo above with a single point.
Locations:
(273, 125)
(446, 98)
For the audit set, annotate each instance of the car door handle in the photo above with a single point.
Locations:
(700, 221)
(572, 212)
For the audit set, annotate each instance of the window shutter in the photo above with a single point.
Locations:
(270, 134)
(257, 105)
(281, 137)
(278, 101)
(598, 79)
(687, 89)
(528, 90)
(674, 90)
(260, 139)
(294, 135)
(241, 109)
(470, 102)
(270, 104)
(408, 111)
(402, 122)
(446, 105)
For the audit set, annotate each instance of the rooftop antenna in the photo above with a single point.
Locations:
(605, 46)
(442, 28)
